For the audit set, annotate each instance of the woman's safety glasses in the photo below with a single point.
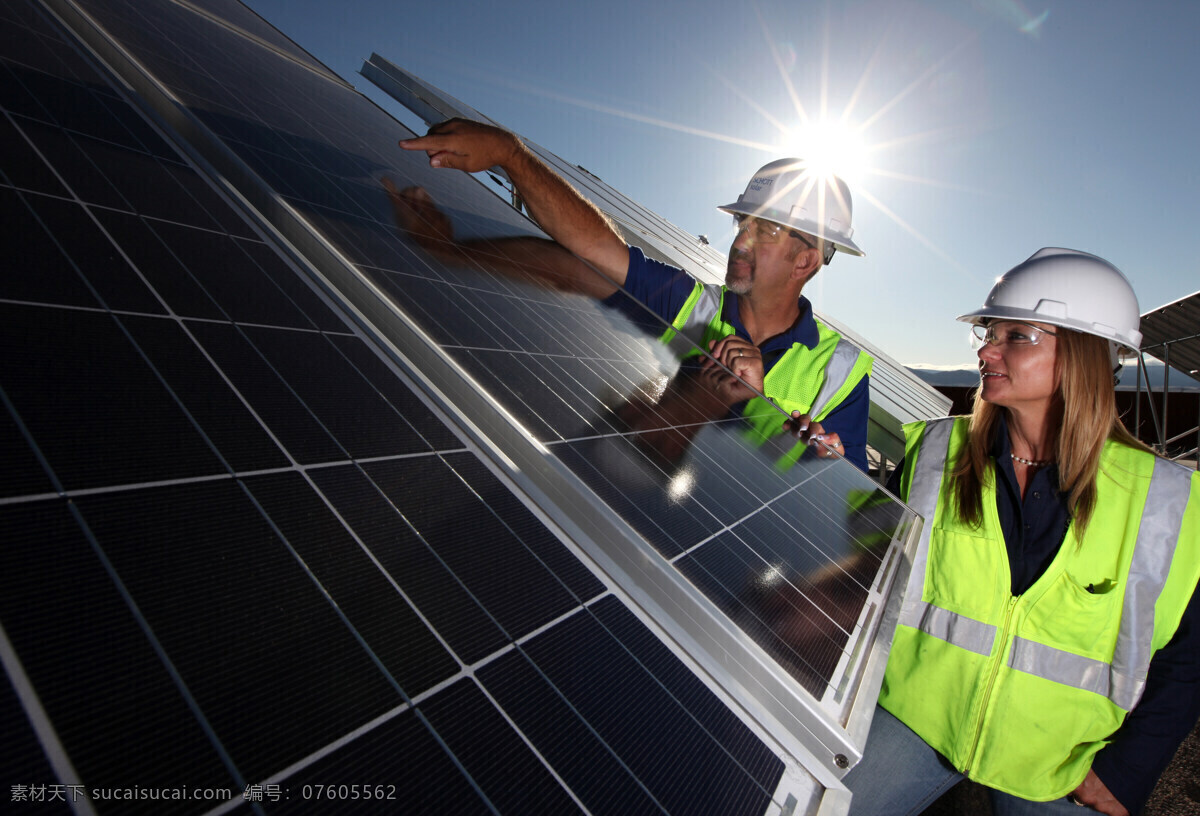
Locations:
(1008, 332)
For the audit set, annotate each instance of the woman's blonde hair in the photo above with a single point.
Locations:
(1086, 406)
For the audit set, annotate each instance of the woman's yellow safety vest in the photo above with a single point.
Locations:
(1019, 693)
(812, 381)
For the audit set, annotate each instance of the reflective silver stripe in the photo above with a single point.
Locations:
(708, 306)
(922, 497)
(1125, 691)
(1060, 667)
(1158, 535)
(955, 629)
(1076, 671)
(837, 371)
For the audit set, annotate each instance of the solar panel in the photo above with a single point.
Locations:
(291, 506)
(1169, 333)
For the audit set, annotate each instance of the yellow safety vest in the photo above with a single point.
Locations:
(1019, 693)
(812, 381)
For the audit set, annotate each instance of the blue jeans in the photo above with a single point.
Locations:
(900, 775)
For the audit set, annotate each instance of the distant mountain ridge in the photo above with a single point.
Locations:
(967, 377)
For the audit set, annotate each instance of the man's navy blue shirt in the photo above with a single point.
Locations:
(664, 289)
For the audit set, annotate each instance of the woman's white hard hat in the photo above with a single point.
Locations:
(1068, 288)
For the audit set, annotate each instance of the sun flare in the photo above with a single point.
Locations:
(830, 148)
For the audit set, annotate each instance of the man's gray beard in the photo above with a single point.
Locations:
(738, 287)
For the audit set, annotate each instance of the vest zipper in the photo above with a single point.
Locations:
(987, 690)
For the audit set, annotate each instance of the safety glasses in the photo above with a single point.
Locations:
(1008, 333)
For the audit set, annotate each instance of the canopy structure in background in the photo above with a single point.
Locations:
(1171, 333)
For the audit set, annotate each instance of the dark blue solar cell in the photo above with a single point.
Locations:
(639, 494)
(504, 505)
(437, 309)
(507, 772)
(291, 421)
(204, 274)
(315, 171)
(74, 165)
(91, 403)
(782, 538)
(241, 619)
(90, 662)
(267, 164)
(44, 275)
(593, 375)
(141, 136)
(345, 403)
(496, 384)
(537, 319)
(741, 752)
(369, 243)
(92, 256)
(22, 473)
(454, 614)
(195, 194)
(292, 162)
(19, 16)
(78, 107)
(374, 606)
(164, 270)
(21, 42)
(300, 294)
(241, 16)
(383, 249)
(31, 39)
(229, 426)
(595, 771)
(846, 523)
(564, 687)
(489, 557)
(47, 53)
(399, 767)
(20, 85)
(21, 166)
(146, 184)
(399, 396)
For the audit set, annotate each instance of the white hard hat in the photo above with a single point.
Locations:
(787, 192)
(1068, 288)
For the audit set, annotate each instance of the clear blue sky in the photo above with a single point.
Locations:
(992, 127)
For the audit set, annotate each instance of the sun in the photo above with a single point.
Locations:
(829, 148)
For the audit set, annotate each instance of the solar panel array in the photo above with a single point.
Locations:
(288, 502)
(1171, 333)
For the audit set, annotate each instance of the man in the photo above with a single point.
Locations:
(789, 224)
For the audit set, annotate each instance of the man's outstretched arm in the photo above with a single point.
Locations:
(560, 209)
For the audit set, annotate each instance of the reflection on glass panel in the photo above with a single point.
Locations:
(787, 545)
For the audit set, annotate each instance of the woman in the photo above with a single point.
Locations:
(1049, 644)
